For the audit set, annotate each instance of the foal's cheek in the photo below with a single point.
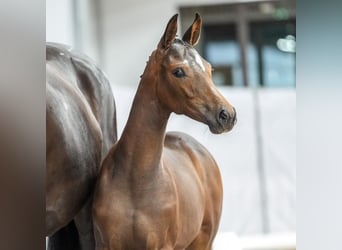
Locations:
(188, 90)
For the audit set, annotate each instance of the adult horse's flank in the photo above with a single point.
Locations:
(80, 129)
(158, 191)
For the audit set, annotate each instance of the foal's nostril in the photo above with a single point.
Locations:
(223, 116)
(234, 116)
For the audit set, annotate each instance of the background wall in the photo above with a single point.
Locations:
(59, 21)
(257, 159)
(131, 30)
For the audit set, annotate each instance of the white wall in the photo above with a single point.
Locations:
(132, 30)
(75, 23)
(59, 22)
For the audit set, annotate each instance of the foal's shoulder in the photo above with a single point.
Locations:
(176, 136)
(180, 140)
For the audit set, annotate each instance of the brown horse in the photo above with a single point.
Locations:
(80, 129)
(158, 191)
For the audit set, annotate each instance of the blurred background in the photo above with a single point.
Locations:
(252, 48)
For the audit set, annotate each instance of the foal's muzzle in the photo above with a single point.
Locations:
(225, 121)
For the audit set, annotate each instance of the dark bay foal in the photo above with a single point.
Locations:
(157, 190)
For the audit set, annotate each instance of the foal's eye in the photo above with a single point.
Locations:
(178, 72)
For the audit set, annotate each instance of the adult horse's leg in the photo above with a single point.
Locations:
(65, 239)
(84, 225)
(77, 235)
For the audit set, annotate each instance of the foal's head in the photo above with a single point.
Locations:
(185, 83)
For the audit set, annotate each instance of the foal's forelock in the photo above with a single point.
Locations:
(179, 50)
(186, 53)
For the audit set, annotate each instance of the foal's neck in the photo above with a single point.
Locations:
(141, 144)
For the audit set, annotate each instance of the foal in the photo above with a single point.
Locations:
(158, 191)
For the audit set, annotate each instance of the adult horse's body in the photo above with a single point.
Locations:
(158, 191)
(80, 128)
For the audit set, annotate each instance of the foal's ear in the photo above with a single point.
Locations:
(192, 35)
(169, 34)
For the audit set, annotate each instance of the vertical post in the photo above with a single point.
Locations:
(97, 5)
(259, 143)
(261, 63)
(243, 35)
(260, 162)
(87, 28)
(76, 24)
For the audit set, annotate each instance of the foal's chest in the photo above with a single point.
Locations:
(150, 221)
